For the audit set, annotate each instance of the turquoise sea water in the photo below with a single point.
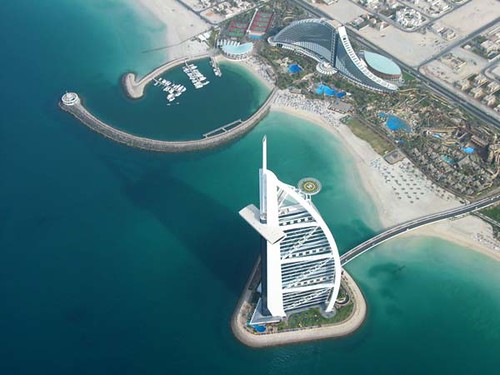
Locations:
(192, 114)
(118, 261)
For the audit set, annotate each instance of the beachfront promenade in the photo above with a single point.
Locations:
(135, 89)
(414, 224)
(75, 107)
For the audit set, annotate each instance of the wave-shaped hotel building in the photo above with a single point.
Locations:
(300, 263)
(333, 51)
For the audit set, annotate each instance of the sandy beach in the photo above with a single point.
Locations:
(400, 192)
(182, 25)
(254, 66)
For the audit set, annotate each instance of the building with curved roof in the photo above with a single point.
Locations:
(324, 43)
(234, 50)
(300, 260)
(381, 66)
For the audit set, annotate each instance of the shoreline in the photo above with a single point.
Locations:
(181, 26)
(309, 334)
(470, 231)
(249, 67)
(379, 179)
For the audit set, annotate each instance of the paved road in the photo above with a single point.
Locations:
(487, 118)
(460, 41)
(414, 224)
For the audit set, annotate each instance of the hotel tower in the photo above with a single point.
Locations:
(300, 262)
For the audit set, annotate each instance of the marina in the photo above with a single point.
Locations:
(215, 67)
(195, 76)
(173, 90)
(71, 103)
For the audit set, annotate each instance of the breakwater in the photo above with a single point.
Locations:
(72, 104)
(135, 89)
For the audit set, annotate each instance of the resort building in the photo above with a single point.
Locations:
(381, 66)
(235, 50)
(330, 47)
(300, 263)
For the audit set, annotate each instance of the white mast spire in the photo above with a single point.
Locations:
(264, 153)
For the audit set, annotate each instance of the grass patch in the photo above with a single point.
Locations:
(408, 77)
(313, 318)
(493, 213)
(378, 143)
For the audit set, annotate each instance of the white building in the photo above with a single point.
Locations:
(300, 261)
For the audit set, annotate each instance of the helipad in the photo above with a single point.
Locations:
(309, 186)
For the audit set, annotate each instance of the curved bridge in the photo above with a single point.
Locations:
(414, 224)
(81, 113)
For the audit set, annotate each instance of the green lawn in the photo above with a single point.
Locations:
(313, 318)
(494, 213)
(408, 77)
(378, 143)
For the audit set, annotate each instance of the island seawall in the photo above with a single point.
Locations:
(306, 334)
(72, 104)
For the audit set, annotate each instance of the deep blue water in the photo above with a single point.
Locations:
(118, 261)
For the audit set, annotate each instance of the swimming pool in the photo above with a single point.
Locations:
(395, 123)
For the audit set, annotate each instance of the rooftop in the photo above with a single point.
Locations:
(240, 49)
(381, 63)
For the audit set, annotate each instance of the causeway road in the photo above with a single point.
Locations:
(414, 224)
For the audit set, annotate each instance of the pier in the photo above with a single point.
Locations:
(135, 89)
(71, 103)
(224, 128)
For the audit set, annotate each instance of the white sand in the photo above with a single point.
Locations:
(394, 188)
(385, 183)
(254, 66)
(182, 25)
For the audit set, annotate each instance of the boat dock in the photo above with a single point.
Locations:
(215, 67)
(195, 76)
(173, 91)
(222, 129)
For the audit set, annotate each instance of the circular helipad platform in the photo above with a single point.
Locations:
(309, 186)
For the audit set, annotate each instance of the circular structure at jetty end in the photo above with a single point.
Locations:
(381, 66)
(309, 186)
(70, 98)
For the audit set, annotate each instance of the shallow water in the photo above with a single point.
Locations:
(114, 260)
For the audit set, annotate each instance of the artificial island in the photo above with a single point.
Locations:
(325, 67)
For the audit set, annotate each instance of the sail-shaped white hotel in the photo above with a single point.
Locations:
(300, 261)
